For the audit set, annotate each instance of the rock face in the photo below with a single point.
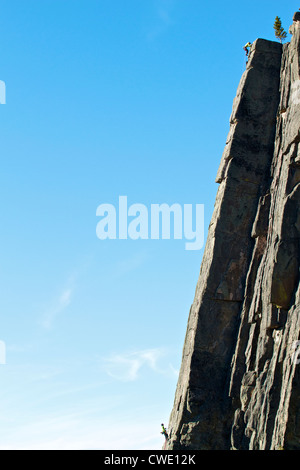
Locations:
(239, 382)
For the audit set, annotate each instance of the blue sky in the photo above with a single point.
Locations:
(106, 98)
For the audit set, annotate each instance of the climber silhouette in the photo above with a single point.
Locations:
(247, 48)
(164, 432)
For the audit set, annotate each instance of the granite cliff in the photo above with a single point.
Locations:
(238, 386)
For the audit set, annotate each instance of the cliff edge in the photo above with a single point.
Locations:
(238, 386)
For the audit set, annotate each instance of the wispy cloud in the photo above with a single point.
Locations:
(55, 307)
(62, 414)
(163, 20)
(164, 13)
(59, 304)
(125, 266)
(81, 432)
(48, 407)
(126, 367)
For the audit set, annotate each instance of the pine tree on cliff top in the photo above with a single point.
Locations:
(279, 30)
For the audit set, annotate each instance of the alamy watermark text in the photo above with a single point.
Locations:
(137, 222)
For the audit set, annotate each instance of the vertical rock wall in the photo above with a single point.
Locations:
(239, 386)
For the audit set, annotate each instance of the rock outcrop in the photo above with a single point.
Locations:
(238, 386)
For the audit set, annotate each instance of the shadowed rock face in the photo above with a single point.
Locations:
(238, 386)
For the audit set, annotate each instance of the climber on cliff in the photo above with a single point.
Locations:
(247, 48)
(164, 432)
